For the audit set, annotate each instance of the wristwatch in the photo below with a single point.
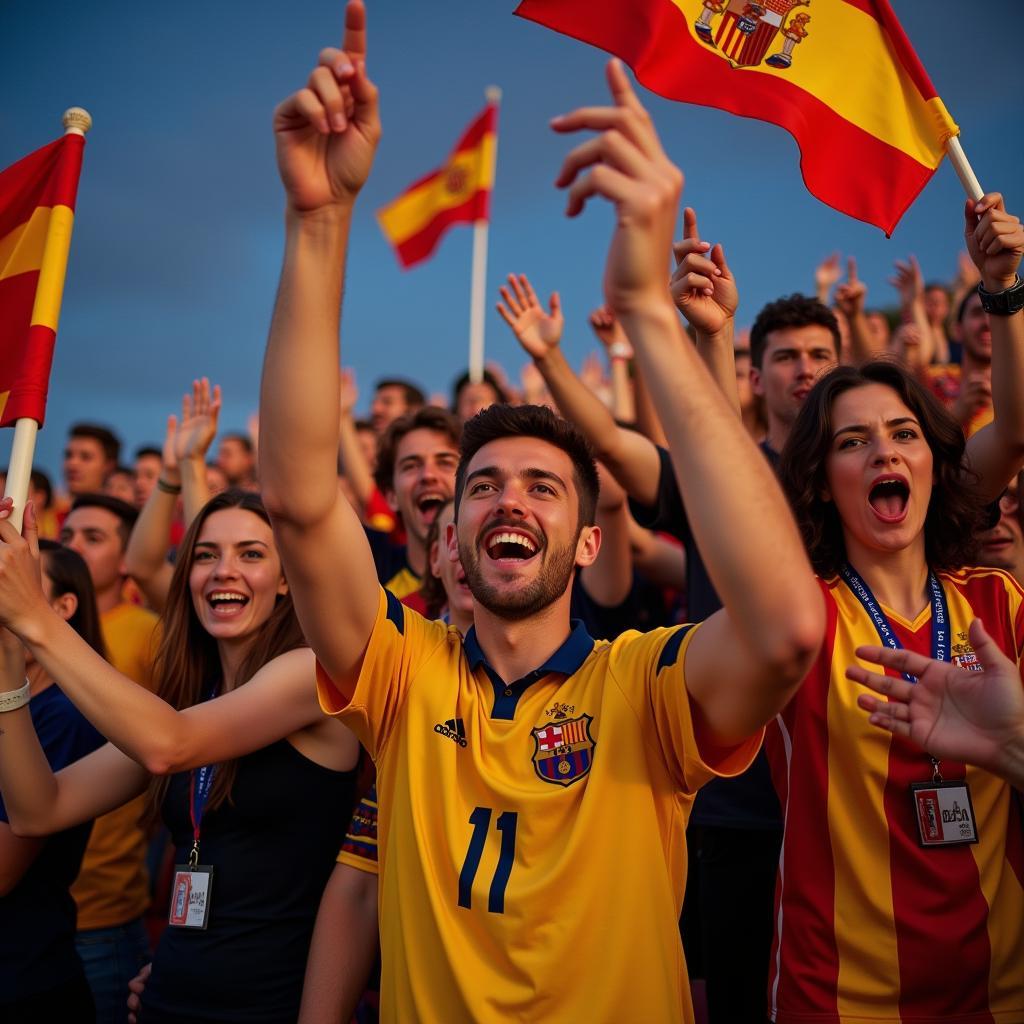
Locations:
(1005, 303)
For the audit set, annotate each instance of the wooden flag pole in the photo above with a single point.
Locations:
(19, 472)
(478, 280)
(964, 171)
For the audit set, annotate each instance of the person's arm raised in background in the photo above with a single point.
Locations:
(826, 276)
(850, 296)
(609, 580)
(629, 456)
(184, 467)
(995, 240)
(909, 282)
(705, 292)
(326, 136)
(745, 663)
(619, 352)
(354, 466)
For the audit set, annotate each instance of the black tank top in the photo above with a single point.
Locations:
(272, 847)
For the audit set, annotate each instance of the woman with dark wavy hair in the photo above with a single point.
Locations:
(901, 883)
(255, 784)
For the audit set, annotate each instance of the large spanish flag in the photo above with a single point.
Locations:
(457, 193)
(37, 211)
(839, 75)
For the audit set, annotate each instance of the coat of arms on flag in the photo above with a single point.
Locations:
(746, 31)
(563, 751)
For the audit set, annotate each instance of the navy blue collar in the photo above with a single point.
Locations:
(567, 659)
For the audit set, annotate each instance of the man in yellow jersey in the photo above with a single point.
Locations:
(534, 785)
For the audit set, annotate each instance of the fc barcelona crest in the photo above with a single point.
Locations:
(563, 751)
(744, 32)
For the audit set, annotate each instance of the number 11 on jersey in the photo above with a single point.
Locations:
(480, 819)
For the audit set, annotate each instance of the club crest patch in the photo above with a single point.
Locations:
(563, 751)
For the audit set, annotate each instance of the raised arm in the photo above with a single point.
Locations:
(326, 136)
(609, 579)
(909, 282)
(629, 456)
(850, 297)
(617, 348)
(995, 240)
(353, 463)
(705, 293)
(747, 661)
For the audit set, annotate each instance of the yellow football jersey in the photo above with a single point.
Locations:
(531, 834)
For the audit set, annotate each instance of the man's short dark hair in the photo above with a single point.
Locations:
(148, 450)
(427, 417)
(127, 514)
(961, 310)
(488, 378)
(500, 421)
(108, 440)
(41, 482)
(414, 397)
(790, 311)
(120, 470)
(243, 439)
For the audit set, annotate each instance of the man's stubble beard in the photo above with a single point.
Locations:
(555, 576)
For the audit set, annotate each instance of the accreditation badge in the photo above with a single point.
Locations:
(944, 813)
(190, 896)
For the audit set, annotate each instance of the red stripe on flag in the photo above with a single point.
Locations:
(848, 168)
(486, 123)
(28, 396)
(420, 246)
(47, 177)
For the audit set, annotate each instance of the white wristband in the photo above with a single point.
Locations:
(14, 699)
(620, 350)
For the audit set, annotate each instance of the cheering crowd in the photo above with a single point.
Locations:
(699, 667)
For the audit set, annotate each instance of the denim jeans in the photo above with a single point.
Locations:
(111, 958)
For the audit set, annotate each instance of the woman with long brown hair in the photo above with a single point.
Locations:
(255, 784)
(900, 891)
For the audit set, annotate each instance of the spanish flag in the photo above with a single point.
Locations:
(37, 204)
(457, 193)
(839, 75)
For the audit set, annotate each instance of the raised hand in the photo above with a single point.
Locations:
(22, 600)
(627, 166)
(995, 241)
(609, 332)
(702, 285)
(908, 281)
(950, 712)
(537, 331)
(349, 394)
(200, 412)
(850, 295)
(826, 274)
(327, 133)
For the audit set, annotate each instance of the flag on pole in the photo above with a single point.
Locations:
(37, 212)
(457, 193)
(840, 76)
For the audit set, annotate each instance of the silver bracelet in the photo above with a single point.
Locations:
(14, 699)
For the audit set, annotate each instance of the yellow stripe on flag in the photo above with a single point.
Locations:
(465, 174)
(21, 250)
(4, 395)
(46, 310)
(843, 40)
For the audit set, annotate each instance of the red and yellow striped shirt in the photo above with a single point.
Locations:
(869, 925)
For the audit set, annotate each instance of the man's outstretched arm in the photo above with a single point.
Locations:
(326, 135)
(746, 662)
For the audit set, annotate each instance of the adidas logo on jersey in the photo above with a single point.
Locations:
(454, 730)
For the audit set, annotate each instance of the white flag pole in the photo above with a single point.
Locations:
(478, 280)
(19, 471)
(963, 169)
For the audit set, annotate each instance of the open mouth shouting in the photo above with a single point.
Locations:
(510, 546)
(226, 604)
(430, 503)
(889, 497)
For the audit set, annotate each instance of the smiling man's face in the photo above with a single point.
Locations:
(518, 534)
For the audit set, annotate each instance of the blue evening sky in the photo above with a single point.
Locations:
(179, 227)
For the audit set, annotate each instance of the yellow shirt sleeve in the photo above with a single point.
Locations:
(401, 642)
(649, 669)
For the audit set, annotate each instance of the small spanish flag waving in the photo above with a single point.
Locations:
(457, 193)
(839, 75)
(37, 212)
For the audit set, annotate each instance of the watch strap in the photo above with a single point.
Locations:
(1005, 303)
